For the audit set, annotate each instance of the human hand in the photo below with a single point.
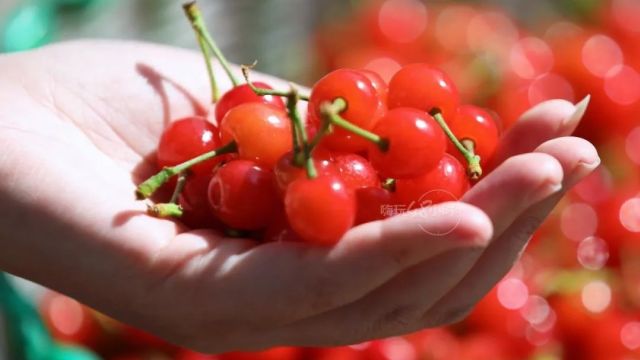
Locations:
(78, 124)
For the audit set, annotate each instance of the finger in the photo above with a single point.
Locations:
(515, 185)
(459, 223)
(399, 305)
(314, 280)
(578, 159)
(298, 280)
(548, 120)
(282, 282)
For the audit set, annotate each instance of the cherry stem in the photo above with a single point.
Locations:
(165, 210)
(215, 91)
(204, 49)
(389, 185)
(302, 150)
(152, 184)
(195, 18)
(331, 113)
(182, 180)
(264, 92)
(474, 170)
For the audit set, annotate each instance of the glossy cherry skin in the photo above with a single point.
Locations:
(320, 210)
(446, 182)
(339, 140)
(364, 106)
(185, 139)
(242, 195)
(195, 204)
(378, 83)
(356, 171)
(287, 172)
(423, 87)
(416, 144)
(475, 124)
(371, 204)
(262, 132)
(355, 88)
(279, 230)
(243, 94)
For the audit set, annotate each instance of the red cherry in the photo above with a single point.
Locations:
(371, 203)
(276, 353)
(320, 210)
(475, 124)
(242, 194)
(416, 143)
(423, 87)
(286, 172)
(185, 139)
(262, 132)
(243, 94)
(446, 182)
(280, 231)
(195, 204)
(355, 171)
(355, 88)
(364, 106)
(192, 355)
(378, 83)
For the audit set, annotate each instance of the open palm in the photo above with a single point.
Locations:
(78, 126)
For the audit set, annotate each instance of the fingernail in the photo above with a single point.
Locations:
(581, 170)
(572, 121)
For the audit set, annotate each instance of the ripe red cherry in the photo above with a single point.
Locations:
(416, 143)
(195, 204)
(243, 94)
(286, 172)
(356, 171)
(475, 124)
(242, 194)
(371, 203)
(364, 106)
(355, 88)
(185, 139)
(339, 140)
(320, 210)
(276, 353)
(262, 132)
(446, 182)
(378, 83)
(280, 231)
(423, 87)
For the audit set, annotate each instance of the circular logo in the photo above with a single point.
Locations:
(428, 205)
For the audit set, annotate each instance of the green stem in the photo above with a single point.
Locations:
(215, 91)
(473, 161)
(182, 180)
(165, 210)
(172, 208)
(195, 17)
(264, 92)
(389, 184)
(302, 150)
(331, 112)
(149, 186)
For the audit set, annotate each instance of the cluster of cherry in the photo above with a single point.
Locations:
(366, 150)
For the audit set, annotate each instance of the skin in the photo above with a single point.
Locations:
(78, 126)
